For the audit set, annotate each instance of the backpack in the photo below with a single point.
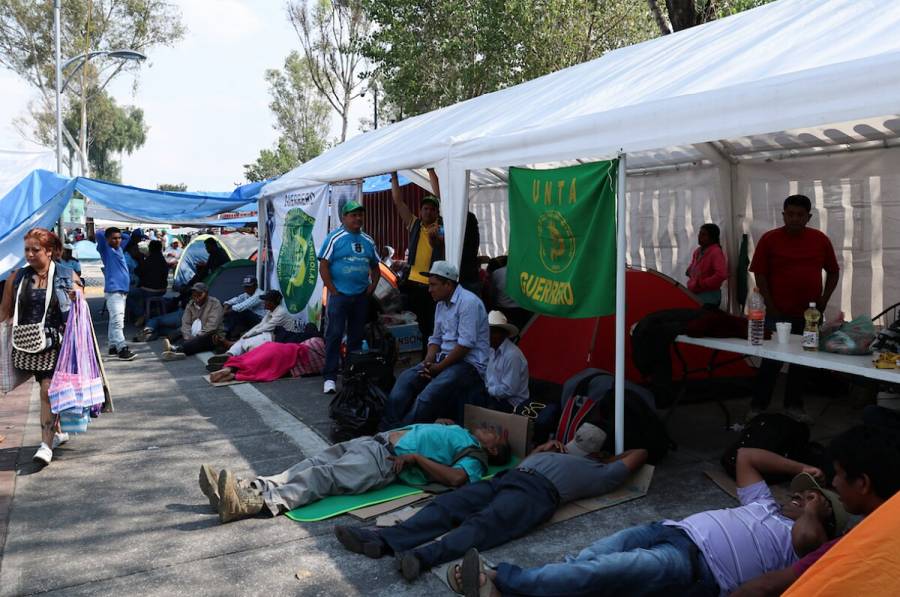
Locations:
(589, 397)
(356, 409)
(377, 364)
(776, 433)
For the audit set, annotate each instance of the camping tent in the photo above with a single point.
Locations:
(227, 281)
(237, 246)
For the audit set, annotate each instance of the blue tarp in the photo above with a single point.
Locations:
(374, 184)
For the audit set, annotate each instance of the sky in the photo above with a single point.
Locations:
(205, 100)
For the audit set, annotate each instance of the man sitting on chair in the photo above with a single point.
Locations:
(452, 373)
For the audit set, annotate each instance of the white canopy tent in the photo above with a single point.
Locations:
(707, 118)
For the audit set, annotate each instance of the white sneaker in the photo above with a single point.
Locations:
(43, 455)
(330, 387)
(59, 439)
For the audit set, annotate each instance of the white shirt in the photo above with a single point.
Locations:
(280, 317)
(248, 302)
(507, 374)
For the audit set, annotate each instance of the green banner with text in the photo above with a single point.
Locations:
(562, 239)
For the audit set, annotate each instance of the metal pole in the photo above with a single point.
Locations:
(56, 27)
(375, 89)
(620, 307)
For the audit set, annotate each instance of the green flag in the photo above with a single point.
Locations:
(562, 245)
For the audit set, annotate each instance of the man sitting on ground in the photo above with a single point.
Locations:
(490, 513)
(452, 373)
(866, 475)
(277, 316)
(201, 322)
(446, 454)
(245, 310)
(709, 553)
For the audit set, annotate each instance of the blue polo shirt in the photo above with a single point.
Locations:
(441, 443)
(350, 257)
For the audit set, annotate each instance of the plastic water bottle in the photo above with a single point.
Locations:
(365, 346)
(756, 318)
(811, 329)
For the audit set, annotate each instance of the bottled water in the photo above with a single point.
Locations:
(756, 318)
(811, 329)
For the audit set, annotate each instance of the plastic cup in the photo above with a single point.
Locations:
(783, 331)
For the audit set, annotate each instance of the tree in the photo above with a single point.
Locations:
(331, 33)
(111, 129)
(178, 187)
(684, 14)
(271, 163)
(27, 48)
(435, 53)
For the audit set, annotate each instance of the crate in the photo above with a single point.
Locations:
(408, 337)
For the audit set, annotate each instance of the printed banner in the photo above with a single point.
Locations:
(296, 225)
(339, 195)
(562, 246)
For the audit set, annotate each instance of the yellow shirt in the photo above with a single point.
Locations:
(423, 254)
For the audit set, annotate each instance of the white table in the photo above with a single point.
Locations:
(793, 353)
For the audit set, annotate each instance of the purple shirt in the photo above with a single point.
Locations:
(742, 543)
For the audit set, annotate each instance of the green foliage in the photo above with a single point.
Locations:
(111, 130)
(301, 115)
(432, 53)
(271, 163)
(178, 187)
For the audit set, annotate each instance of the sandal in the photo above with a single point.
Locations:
(454, 584)
(472, 569)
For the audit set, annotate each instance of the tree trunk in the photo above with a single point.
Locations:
(661, 22)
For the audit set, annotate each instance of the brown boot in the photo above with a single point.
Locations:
(237, 502)
(209, 485)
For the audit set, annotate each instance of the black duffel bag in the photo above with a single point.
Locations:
(356, 410)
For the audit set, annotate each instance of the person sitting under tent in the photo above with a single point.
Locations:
(866, 476)
(499, 299)
(492, 512)
(445, 454)
(217, 255)
(245, 310)
(276, 316)
(452, 373)
(153, 280)
(709, 553)
(201, 322)
(173, 253)
(271, 361)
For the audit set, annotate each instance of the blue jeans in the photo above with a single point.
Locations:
(641, 560)
(164, 324)
(344, 311)
(416, 399)
(115, 306)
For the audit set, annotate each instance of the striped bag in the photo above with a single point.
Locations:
(77, 383)
(10, 377)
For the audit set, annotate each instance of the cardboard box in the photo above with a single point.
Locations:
(516, 426)
(409, 338)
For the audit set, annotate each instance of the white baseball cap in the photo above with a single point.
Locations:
(444, 269)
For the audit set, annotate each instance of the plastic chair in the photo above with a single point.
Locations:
(158, 301)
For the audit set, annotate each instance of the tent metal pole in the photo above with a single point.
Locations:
(261, 255)
(620, 307)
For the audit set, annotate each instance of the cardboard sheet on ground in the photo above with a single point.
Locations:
(341, 504)
(729, 486)
(222, 383)
(636, 486)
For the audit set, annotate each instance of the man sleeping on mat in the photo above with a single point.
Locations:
(492, 512)
(445, 454)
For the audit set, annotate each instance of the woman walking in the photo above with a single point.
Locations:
(38, 297)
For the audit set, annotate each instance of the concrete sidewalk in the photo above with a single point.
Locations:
(119, 510)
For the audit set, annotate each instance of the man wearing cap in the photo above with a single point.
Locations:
(202, 320)
(426, 245)
(245, 310)
(709, 553)
(276, 316)
(452, 373)
(348, 264)
(492, 512)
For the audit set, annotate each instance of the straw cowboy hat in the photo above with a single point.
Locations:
(496, 319)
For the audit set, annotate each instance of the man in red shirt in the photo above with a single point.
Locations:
(788, 264)
(866, 475)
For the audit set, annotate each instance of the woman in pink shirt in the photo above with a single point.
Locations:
(708, 267)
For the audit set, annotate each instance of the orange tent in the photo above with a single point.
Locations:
(865, 562)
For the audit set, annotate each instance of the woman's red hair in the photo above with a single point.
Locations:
(45, 238)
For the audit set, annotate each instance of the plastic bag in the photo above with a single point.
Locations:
(76, 382)
(848, 337)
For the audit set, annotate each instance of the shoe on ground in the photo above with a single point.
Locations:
(126, 355)
(43, 455)
(167, 346)
(209, 485)
(113, 351)
(799, 414)
(218, 359)
(330, 387)
(59, 439)
(362, 541)
(409, 566)
(472, 569)
(236, 501)
(173, 355)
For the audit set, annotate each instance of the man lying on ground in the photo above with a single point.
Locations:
(709, 553)
(492, 512)
(446, 454)
(276, 316)
(866, 475)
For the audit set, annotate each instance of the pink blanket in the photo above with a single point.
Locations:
(267, 362)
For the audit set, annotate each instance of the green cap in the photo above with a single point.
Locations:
(433, 200)
(351, 205)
